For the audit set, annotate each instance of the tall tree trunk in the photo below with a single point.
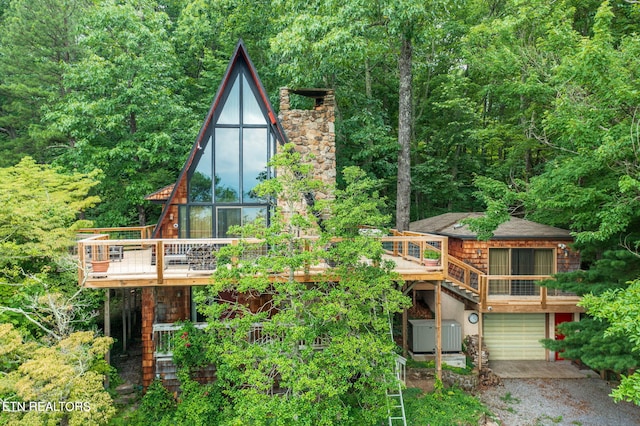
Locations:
(142, 215)
(403, 202)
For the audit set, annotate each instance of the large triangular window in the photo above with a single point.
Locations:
(231, 160)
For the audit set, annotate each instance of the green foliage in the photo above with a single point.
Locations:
(342, 383)
(69, 371)
(122, 109)
(587, 341)
(445, 408)
(411, 363)
(157, 407)
(34, 57)
(190, 348)
(499, 199)
(39, 209)
(620, 308)
(198, 405)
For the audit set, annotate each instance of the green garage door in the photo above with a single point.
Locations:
(514, 336)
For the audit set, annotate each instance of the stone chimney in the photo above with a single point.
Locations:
(313, 131)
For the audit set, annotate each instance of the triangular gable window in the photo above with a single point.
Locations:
(231, 160)
(251, 112)
(230, 113)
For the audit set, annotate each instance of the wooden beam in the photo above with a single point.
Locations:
(424, 286)
(192, 278)
(516, 307)
(131, 300)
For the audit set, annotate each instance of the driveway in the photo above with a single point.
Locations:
(554, 393)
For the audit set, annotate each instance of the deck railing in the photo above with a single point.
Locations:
(164, 337)
(160, 259)
(141, 262)
(120, 233)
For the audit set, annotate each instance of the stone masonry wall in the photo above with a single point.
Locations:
(313, 133)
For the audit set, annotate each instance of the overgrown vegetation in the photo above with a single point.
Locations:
(443, 408)
(44, 355)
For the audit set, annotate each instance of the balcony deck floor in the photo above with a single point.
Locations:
(135, 269)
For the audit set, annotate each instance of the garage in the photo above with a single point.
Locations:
(514, 336)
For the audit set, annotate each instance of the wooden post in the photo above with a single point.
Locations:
(124, 320)
(160, 261)
(107, 330)
(439, 330)
(480, 316)
(405, 344)
(130, 307)
(82, 263)
(444, 256)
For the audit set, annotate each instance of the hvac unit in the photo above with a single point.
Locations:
(422, 336)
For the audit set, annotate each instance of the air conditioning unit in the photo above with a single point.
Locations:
(422, 336)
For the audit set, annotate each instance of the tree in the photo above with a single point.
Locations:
(39, 209)
(344, 382)
(66, 378)
(204, 34)
(591, 186)
(587, 339)
(620, 309)
(37, 40)
(364, 51)
(122, 112)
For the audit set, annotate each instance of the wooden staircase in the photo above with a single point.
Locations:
(463, 280)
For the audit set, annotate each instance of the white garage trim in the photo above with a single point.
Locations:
(514, 336)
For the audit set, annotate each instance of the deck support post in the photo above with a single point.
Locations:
(480, 317)
(405, 344)
(124, 320)
(107, 330)
(439, 330)
(131, 304)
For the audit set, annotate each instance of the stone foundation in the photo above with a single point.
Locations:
(466, 382)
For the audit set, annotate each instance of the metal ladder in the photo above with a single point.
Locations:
(395, 400)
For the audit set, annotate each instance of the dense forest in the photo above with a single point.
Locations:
(529, 108)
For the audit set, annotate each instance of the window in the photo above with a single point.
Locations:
(518, 261)
(229, 163)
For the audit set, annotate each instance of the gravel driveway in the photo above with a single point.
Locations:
(576, 402)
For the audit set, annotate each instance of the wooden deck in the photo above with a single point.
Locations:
(156, 262)
(165, 262)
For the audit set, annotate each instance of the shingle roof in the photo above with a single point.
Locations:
(161, 194)
(449, 225)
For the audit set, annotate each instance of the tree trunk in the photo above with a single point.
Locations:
(403, 202)
(142, 215)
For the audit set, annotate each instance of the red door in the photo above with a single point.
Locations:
(559, 319)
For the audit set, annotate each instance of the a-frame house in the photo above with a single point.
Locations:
(228, 159)
(214, 191)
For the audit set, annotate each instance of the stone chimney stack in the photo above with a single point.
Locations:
(312, 131)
